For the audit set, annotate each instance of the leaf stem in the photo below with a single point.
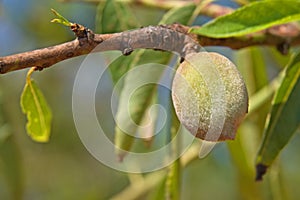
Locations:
(29, 73)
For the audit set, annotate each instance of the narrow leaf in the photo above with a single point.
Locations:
(283, 120)
(114, 16)
(140, 100)
(38, 113)
(251, 18)
(135, 98)
(60, 19)
(259, 68)
(260, 79)
(121, 65)
(180, 15)
(148, 123)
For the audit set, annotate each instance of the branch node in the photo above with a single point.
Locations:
(283, 47)
(1, 67)
(261, 169)
(38, 68)
(83, 34)
(90, 35)
(127, 51)
(79, 30)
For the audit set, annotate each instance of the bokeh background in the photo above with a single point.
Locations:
(63, 168)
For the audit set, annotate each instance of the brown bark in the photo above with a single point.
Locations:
(170, 38)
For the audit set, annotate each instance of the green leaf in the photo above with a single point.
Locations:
(38, 113)
(60, 19)
(259, 68)
(260, 79)
(121, 65)
(114, 16)
(140, 100)
(135, 99)
(180, 15)
(283, 120)
(148, 123)
(251, 18)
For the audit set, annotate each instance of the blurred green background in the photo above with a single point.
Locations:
(63, 168)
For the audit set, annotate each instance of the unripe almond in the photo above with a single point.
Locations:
(209, 96)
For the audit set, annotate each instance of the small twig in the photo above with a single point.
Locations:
(170, 38)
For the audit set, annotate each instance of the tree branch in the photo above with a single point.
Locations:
(152, 37)
(282, 37)
(167, 38)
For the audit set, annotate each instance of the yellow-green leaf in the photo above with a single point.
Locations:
(60, 19)
(38, 113)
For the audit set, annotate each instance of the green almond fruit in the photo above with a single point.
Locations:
(209, 96)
